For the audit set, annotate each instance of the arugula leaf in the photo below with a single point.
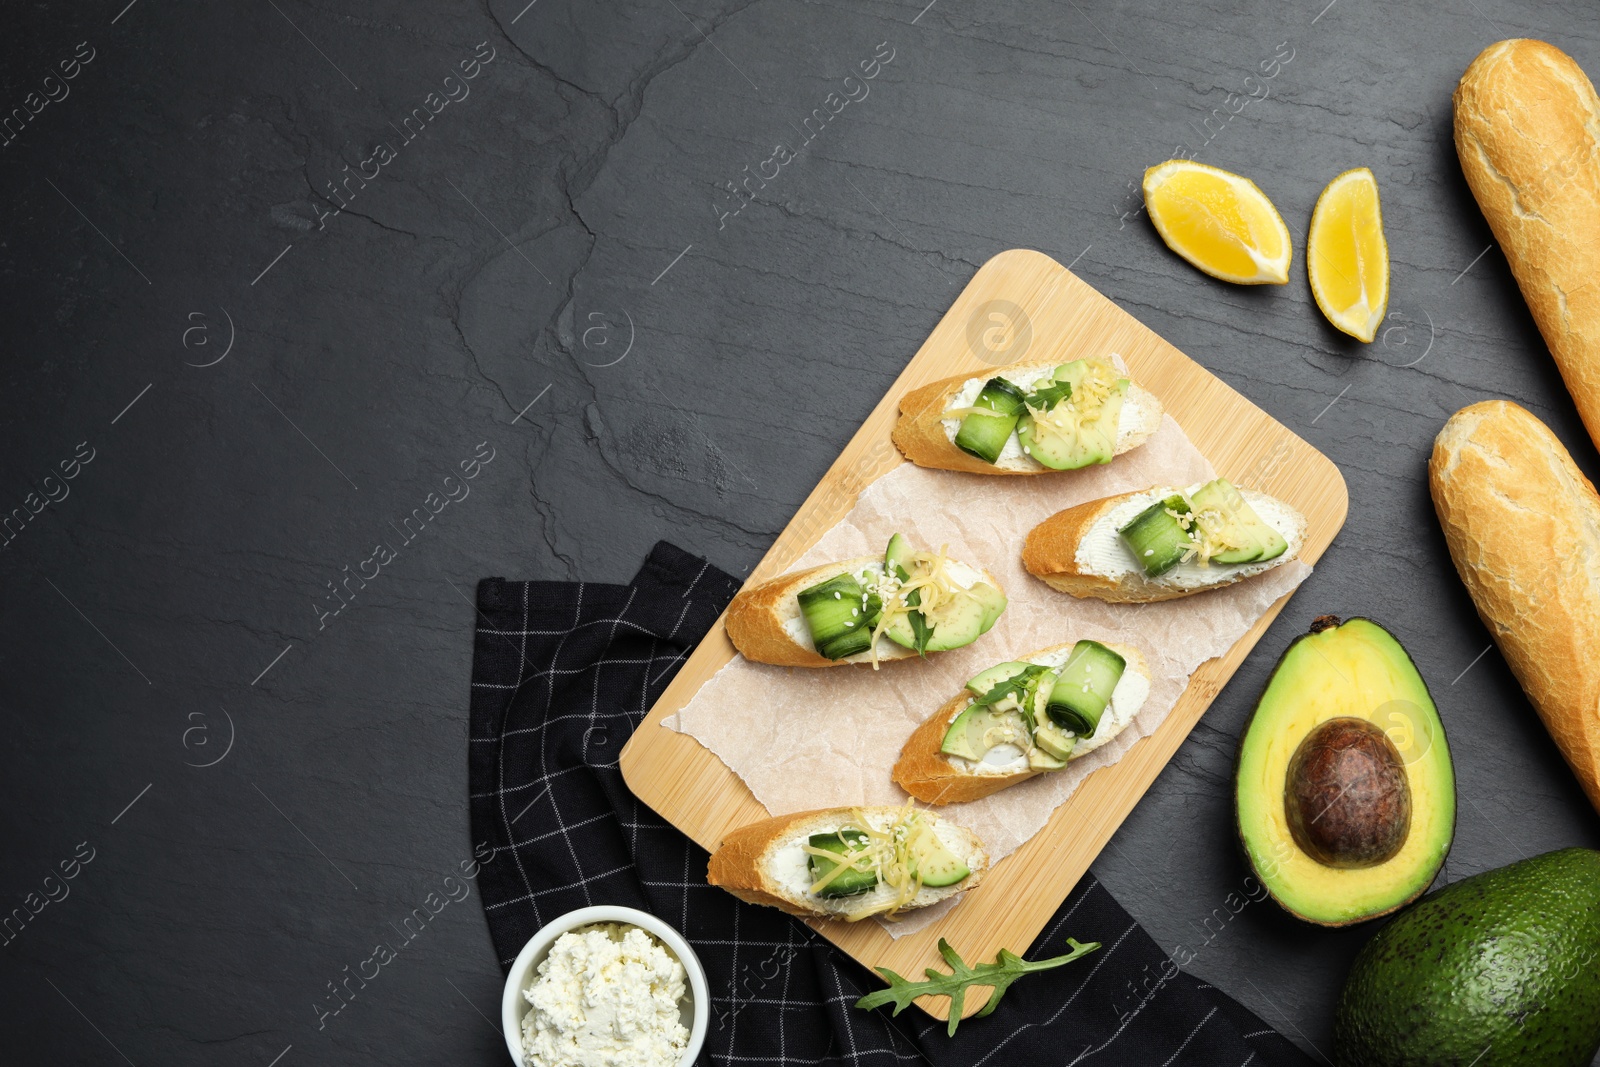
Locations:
(1023, 685)
(1049, 396)
(921, 632)
(1017, 686)
(999, 975)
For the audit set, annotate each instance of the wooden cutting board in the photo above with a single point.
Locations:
(1020, 305)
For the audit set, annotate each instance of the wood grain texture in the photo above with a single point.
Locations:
(693, 789)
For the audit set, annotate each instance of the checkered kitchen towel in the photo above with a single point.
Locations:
(563, 672)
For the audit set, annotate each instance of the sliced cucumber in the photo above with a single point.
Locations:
(935, 864)
(850, 882)
(840, 623)
(1083, 688)
(984, 435)
(1156, 538)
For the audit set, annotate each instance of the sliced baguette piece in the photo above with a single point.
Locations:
(935, 778)
(765, 624)
(1523, 527)
(927, 438)
(763, 863)
(1078, 551)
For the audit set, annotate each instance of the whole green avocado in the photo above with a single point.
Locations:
(1498, 970)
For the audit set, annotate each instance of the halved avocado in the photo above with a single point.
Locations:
(1345, 794)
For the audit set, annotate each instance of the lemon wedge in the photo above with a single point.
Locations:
(1219, 221)
(1346, 255)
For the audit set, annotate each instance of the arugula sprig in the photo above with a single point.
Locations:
(999, 975)
(1019, 685)
(1049, 395)
(1023, 686)
(921, 632)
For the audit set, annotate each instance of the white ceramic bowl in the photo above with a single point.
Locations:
(696, 1004)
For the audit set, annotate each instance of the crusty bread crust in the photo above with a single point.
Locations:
(927, 774)
(740, 865)
(1523, 526)
(1527, 131)
(1050, 553)
(919, 433)
(924, 772)
(756, 617)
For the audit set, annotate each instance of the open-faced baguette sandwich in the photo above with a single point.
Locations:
(1162, 543)
(865, 610)
(849, 863)
(1029, 419)
(1024, 718)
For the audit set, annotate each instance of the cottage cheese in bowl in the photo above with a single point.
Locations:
(605, 986)
(607, 995)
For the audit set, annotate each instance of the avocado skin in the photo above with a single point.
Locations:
(1496, 970)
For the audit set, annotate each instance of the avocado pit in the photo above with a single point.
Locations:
(1346, 795)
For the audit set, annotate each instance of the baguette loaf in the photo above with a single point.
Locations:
(921, 433)
(935, 778)
(1077, 550)
(763, 863)
(1527, 131)
(1523, 526)
(765, 623)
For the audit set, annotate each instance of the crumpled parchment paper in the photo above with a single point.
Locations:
(807, 738)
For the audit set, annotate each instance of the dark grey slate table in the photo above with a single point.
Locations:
(274, 270)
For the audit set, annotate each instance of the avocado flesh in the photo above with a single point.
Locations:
(1351, 670)
(935, 864)
(1257, 539)
(1053, 740)
(980, 684)
(978, 729)
(958, 623)
(1040, 760)
(994, 604)
(1496, 970)
(897, 557)
(1240, 524)
(1068, 444)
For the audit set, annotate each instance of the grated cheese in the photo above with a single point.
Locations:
(890, 852)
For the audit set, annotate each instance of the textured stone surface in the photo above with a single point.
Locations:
(510, 254)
